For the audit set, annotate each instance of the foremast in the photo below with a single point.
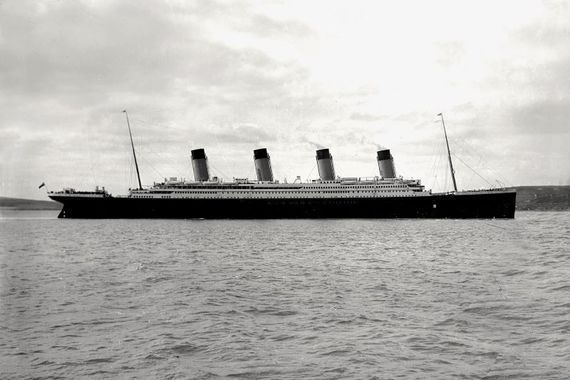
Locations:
(133, 146)
(448, 153)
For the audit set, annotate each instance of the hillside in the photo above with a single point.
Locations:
(543, 198)
(28, 204)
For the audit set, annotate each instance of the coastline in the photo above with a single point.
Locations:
(529, 198)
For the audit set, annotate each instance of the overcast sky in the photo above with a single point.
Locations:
(291, 76)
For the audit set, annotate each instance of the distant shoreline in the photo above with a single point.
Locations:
(543, 198)
(27, 204)
(529, 198)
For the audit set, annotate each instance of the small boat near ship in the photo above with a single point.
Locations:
(329, 196)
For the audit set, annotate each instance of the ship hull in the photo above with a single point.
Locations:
(483, 204)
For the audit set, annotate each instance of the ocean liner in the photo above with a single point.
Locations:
(329, 196)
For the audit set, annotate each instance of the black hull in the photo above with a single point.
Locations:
(484, 204)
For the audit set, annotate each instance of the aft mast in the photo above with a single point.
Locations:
(133, 146)
(448, 153)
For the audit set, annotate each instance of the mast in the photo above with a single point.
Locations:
(133, 146)
(448, 153)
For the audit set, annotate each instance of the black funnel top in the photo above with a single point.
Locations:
(198, 154)
(323, 153)
(384, 155)
(260, 153)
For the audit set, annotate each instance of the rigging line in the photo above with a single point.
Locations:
(159, 125)
(174, 147)
(222, 159)
(127, 169)
(433, 161)
(177, 170)
(474, 171)
(224, 175)
(498, 178)
(91, 180)
(436, 163)
(307, 178)
(151, 166)
(149, 149)
(131, 173)
(440, 152)
(445, 179)
(165, 159)
(434, 183)
(435, 155)
(441, 165)
(467, 146)
(464, 144)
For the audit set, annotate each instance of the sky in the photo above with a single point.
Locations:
(290, 76)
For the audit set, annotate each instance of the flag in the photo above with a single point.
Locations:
(439, 114)
(42, 185)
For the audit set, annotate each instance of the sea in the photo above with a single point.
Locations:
(284, 299)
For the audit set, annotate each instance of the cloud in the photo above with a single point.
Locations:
(234, 76)
(269, 27)
(550, 117)
(450, 52)
(70, 57)
(361, 116)
(248, 134)
(79, 53)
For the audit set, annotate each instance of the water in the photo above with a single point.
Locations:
(282, 299)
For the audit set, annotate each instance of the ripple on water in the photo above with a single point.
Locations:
(285, 299)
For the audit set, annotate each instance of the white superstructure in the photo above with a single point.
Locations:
(340, 188)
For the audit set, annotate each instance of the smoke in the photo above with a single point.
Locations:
(380, 147)
(316, 145)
